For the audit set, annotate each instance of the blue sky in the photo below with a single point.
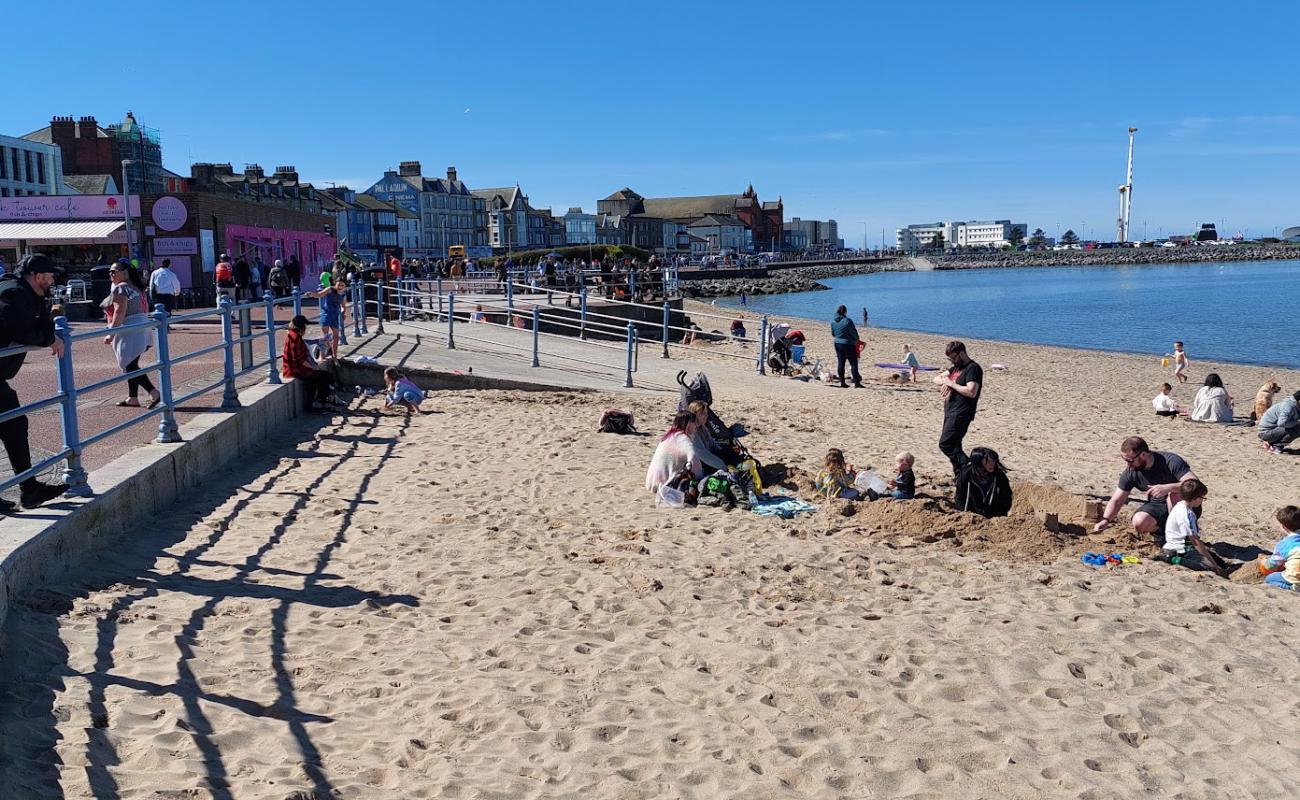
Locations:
(875, 113)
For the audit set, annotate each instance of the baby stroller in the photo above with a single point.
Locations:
(779, 356)
(726, 437)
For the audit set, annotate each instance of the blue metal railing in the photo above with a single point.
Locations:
(67, 392)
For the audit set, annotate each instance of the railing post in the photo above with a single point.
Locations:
(229, 395)
(379, 293)
(357, 309)
(297, 301)
(582, 320)
(272, 374)
(537, 327)
(74, 475)
(167, 430)
(439, 287)
(667, 311)
(631, 284)
(361, 279)
(631, 339)
(510, 297)
(451, 321)
(762, 347)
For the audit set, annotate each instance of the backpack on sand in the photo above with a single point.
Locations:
(616, 420)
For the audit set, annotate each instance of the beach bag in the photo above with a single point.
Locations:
(616, 420)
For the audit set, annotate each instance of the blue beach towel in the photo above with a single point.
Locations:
(783, 507)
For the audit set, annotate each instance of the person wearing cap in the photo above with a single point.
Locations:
(224, 275)
(164, 286)
(25, 320)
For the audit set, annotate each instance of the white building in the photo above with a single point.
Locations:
(30, 168)
(989, 234)
(921, 237)
(996, 233)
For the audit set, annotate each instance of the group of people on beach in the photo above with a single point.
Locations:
(1278, 421)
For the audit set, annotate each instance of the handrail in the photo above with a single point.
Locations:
(159, 322)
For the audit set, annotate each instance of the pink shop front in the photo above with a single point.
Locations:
(314, 250)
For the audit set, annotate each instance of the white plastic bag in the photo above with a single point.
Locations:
(669, 497)
(869, 480)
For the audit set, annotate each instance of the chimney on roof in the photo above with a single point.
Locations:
(451, 174)
(87, 128)
(288, 174)
(409, 169)
(253, 171)
(203, 173)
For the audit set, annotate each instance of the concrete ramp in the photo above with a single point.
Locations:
(920, 263)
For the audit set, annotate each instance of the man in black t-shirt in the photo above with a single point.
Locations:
(1157, 473)
(960, 389)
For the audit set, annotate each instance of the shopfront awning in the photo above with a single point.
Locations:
(35, 232)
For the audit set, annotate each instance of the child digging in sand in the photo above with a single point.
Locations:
(903, 485)
(1282, 568)
(402, 391)
(1183, 545)
(836, 479)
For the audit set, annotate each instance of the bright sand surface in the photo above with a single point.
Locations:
(484, 603)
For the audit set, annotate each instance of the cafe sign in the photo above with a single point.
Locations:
(66, 207)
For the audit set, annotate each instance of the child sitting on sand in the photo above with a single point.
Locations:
(909, 359)
(904, 482)
(1282, 568)
(836, 480)
(1163, 403)
(1182, 533)
(402, 391)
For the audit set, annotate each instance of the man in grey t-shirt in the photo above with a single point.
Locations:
(1158, 474)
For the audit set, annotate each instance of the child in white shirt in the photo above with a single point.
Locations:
(1183, 545)
(1163, 403)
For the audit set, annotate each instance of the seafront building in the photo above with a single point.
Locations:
(663, 224)
(512, 223)
(812, 234)
(448, 212)
(996, 233)
(30, 168)
(89, 150)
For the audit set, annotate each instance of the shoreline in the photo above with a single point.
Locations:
(1017, 342)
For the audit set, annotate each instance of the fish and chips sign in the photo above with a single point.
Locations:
(66, 207)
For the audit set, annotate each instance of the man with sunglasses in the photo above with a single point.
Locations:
(1158, 474)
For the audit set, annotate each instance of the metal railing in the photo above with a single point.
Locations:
(160, 322)
(437, 302)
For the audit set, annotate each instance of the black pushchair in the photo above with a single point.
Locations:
(726, 437)
(779, 356)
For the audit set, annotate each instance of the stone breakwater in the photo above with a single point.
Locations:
(1111, 257)
(786, 281)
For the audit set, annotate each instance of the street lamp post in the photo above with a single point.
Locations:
(126, 203)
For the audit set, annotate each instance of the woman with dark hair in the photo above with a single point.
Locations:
(844, 334)
(982, 485)
(1212, 402)
(126, 304)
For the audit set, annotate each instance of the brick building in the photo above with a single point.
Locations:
(89, 150)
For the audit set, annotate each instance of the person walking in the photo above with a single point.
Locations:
(164, 286)
(25, 320)
(224, 275)
(255, 280)
(278, 279)
(243, 275)
(845, 336)
(294, 268)
(960, 389)
(126, 305)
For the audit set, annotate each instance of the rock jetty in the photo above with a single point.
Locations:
(787, 280)
(1111, 257)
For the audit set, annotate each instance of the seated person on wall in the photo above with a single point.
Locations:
(297, 363)
(982, 485)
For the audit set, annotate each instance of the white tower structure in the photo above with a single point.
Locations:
(1126, 195)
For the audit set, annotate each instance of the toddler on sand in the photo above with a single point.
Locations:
(904, 482)
(1282, 568)
(402, 391)
(836, 479)
(909, 359)
(1163, 403)
(1180, 362)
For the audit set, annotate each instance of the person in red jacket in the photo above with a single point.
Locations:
(297, 363)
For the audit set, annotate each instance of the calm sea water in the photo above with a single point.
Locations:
(1247, 312)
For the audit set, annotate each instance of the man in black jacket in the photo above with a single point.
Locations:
(25, 320)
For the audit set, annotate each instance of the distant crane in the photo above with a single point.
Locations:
(1126, 195)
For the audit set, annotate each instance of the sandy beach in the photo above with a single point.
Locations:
(485, 603)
